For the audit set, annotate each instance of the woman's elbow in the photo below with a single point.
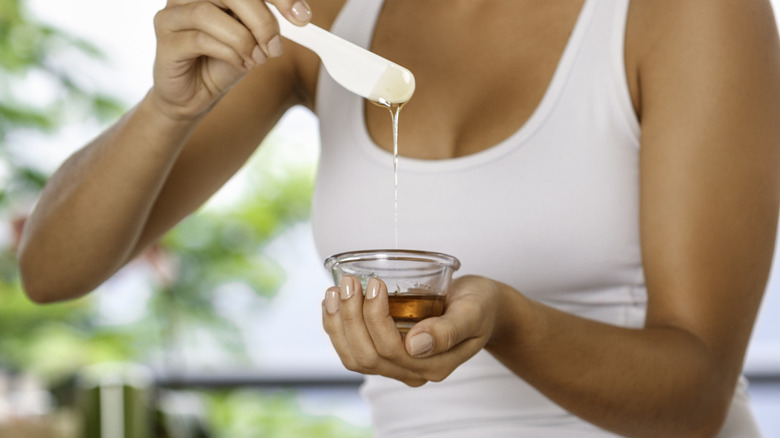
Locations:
(39, 282)
(33, 284)
(708, 412)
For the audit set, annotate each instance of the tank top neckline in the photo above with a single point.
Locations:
(512, 142)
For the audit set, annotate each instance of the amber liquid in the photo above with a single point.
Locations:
(407, 309)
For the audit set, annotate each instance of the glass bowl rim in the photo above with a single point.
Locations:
(393, 254)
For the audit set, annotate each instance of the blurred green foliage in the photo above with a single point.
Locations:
(45, 340)
(252, 414)
(210, 250)
(223, 247)
(31, 50)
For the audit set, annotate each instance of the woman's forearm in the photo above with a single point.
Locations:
(636, 382)
(93, 209)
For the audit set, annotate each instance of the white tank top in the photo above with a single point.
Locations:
(553, 211)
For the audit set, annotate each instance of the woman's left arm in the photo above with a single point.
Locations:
(710, 194)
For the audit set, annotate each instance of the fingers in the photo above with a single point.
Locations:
(443, 343)
(188, 44)
(247, 27)
(332, 324)
(202, 29)
(344, 323)
(368, 341)
(350, 325)
(351, 317)
(254, 14)
(432, 336)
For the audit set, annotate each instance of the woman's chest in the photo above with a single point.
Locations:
(481, 70)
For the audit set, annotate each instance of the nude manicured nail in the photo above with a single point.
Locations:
(275, 46)
(420, 344)
(258, 56)
(373, 288)
(301, 12)
(347, 288)
(331, 301)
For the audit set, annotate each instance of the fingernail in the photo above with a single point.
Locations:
(331, 301)
(421, 344)
(347, 288)
(372, 289)
(258, 56)
(275, 46)
(301, 12)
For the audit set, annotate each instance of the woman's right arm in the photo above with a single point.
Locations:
(171, 152)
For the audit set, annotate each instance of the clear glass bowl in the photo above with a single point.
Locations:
(417, 281)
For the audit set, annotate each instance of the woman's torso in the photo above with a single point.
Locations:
(519, 156)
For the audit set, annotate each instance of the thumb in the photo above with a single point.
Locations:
(440, 334)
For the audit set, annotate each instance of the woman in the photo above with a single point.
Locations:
(606, 172)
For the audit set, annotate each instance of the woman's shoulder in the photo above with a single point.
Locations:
(678, 43)
(660, 24)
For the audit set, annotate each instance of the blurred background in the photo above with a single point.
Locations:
(214, 332)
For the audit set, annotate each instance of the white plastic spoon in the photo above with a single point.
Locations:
(355, 68)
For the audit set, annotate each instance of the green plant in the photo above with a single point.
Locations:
(32, 337)
(251, 414)
(34, 54)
